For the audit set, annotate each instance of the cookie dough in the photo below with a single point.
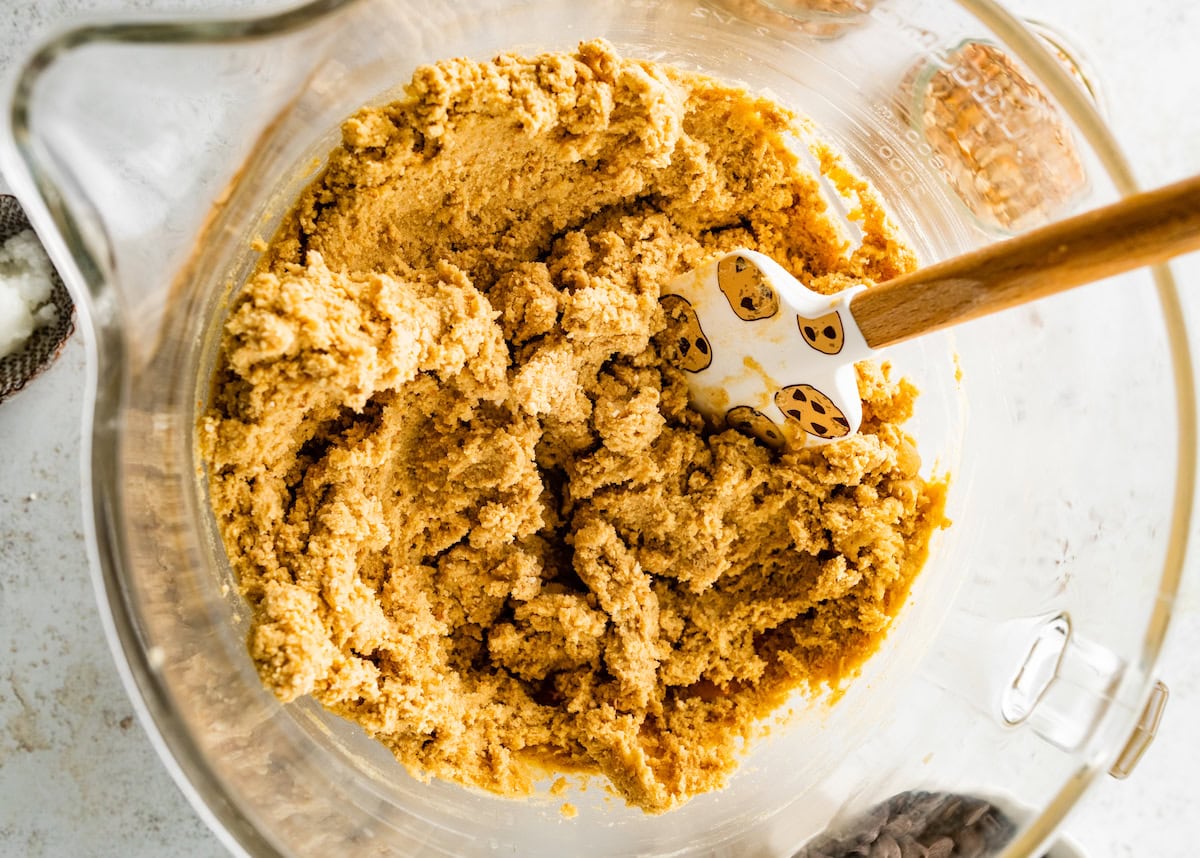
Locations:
(454, 465)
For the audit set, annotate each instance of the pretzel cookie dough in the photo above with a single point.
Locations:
(451, 455)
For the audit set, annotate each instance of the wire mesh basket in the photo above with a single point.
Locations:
(44, 344)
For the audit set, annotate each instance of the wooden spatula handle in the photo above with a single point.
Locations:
(1139, 230)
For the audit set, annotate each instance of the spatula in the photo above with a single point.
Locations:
(775, 360)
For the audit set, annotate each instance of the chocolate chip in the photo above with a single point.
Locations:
(818, 407)
(919, 825)
(799, 394)
(898, 826)
(942, 848)
(829, 332)
(842, 421)
(970, 843)
(885, 847)
(810, 334)
(748, 303)
(798, 415)
(685, 346)
(818, 429)
(702, 345)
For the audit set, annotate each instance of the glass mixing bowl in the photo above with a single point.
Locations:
(151, 153)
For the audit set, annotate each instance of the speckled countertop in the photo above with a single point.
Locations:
(79, 777)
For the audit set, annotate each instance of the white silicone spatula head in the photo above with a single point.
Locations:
(774, 359)
(766, 355)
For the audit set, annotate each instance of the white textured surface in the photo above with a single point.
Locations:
(77, 774)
